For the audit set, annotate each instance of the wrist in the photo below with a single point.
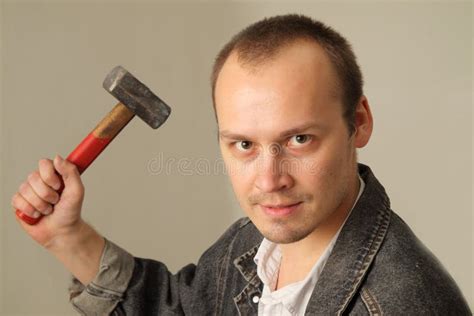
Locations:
(80, 251)
(70, 237)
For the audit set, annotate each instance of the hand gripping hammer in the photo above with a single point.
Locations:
(135, 99)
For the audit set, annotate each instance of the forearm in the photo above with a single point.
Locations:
(80, 252)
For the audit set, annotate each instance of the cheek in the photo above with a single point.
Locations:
(320, 170)
(240, 176)
(318, 174)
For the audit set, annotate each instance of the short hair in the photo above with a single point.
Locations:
(265, 38)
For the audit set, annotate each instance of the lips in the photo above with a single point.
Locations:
(280, 209)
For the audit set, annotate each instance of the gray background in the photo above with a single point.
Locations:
(416, 58)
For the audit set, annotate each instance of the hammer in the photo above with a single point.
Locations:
(135, 99)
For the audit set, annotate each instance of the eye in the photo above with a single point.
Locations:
(243, 145)
(299, 140)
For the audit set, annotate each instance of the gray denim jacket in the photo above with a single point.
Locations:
(377, 266)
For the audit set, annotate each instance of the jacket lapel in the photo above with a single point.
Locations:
(246, 301)
(354, 251)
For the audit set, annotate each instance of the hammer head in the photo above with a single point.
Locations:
(136, 96)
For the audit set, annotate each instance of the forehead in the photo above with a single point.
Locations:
(296, 85)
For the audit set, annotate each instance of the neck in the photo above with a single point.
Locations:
(299, 257)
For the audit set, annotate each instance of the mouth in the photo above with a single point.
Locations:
(280, 209)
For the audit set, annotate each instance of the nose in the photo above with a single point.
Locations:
(271, 175)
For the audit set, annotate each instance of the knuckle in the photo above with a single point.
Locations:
(50, 196)
(45, 166)
(28, 209)
(24, 206)
(39, 198)
(49, 178)
(43, 163)
(15, 200)
(42, 195)
(43, 206)
(34, 176)
(24, 188)
(71, 167)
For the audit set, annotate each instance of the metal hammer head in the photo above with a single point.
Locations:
(136, 96)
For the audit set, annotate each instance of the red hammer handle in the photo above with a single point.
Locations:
(91, 146)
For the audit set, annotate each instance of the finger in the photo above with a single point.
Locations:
(31, 197)
(44, 191)
(48, 174)
(19, 203)
(73, 186)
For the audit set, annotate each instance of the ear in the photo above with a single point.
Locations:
(363, 123)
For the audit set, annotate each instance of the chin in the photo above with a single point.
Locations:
(281, 234)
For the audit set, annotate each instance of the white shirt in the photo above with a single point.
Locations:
(293, 298)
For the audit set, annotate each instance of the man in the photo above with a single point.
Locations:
(320, 237)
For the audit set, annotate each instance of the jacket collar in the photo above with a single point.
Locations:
(354, 251)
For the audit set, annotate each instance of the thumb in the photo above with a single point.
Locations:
(70, 174)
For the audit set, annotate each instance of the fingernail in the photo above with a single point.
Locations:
(48, 210)
(60, 159)
(36, 214)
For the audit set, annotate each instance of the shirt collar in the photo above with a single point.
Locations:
(269, 251)
(268, 259)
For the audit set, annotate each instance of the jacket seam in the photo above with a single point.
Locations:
(219, 298)
(248, 276)
(246, 291)
(102, 291)
(222, 274)
(372, 250)
(371, 303)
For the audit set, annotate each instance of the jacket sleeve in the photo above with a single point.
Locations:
(101, 296)
(128, 285)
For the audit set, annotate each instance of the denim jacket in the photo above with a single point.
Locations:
(378, 266)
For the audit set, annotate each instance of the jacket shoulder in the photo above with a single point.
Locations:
(241, 234)
(406, 277)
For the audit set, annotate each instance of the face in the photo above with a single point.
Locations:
(285, 144)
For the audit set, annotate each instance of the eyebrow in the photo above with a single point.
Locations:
(292, 131)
